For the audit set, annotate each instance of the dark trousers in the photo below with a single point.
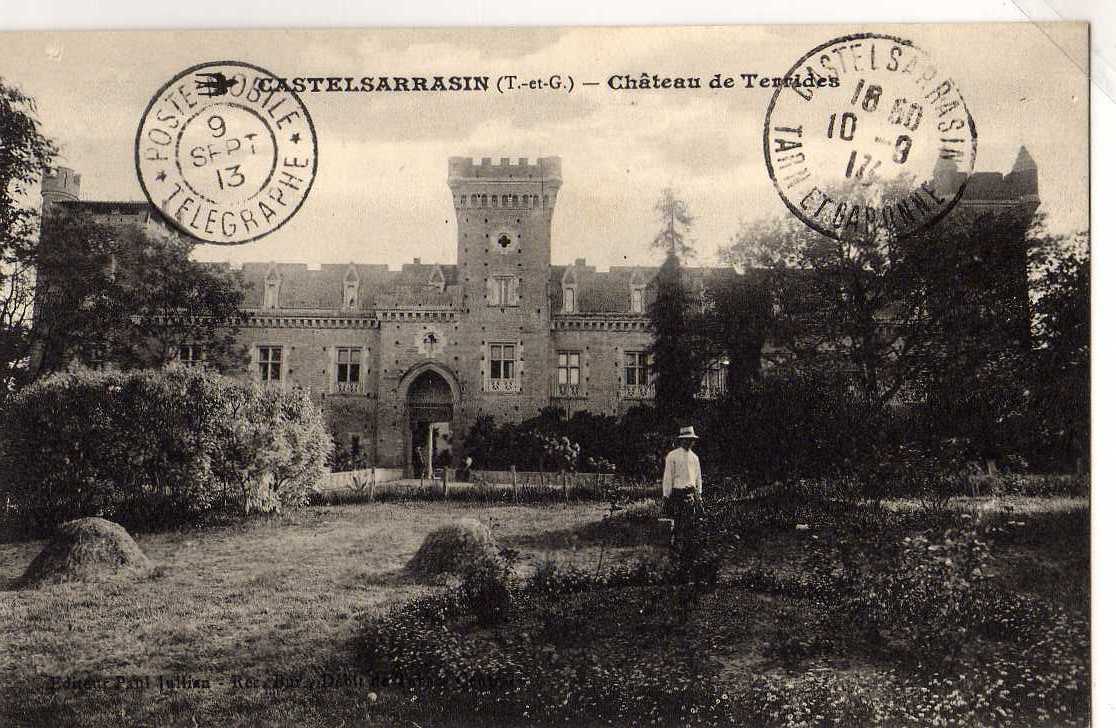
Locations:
(684, 507)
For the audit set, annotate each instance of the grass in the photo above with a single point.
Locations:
(231, 608)
(274, 595)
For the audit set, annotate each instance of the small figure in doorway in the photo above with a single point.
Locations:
(420, 463)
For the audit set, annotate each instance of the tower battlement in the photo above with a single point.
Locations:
(519, 169)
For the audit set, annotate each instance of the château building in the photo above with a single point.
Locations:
(406, 360)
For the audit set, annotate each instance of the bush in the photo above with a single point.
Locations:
(423, 649)
(632, 445)
(157, 447)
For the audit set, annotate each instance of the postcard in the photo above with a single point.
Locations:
(679, 376)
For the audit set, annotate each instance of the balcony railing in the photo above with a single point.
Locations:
(711, 391)
(568, 391)
(347, 387)
(637, 391)
(504, 386)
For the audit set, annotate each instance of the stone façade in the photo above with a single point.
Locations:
(422, 337)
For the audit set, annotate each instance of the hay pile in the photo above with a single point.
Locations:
(453, 548)
(88, 549)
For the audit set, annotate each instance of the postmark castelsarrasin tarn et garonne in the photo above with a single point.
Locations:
(884, 153)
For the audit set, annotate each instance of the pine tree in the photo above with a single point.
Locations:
(675, 222)
(676, 352)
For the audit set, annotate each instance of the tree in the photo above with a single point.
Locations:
(678, 349)
(974, 269)
(675, 222)
(24, 153)
(838, 306)
(937, 318)
(735, 322)
(130, 295)
(1060, 374)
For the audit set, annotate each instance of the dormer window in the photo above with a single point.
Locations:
(438, 279)
(568, 298)
(569, 291)
(351, 292)
(637, 290)
(638, 299)
(271, 289)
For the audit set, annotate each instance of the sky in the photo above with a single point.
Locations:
(380, 195)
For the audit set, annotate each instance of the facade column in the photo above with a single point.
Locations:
(430, 450)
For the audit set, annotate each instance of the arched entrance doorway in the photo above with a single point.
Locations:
(430, 398)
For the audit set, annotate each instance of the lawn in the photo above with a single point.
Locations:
(257, 624)
(273, 596)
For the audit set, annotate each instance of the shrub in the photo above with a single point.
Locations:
(422, 649)
(157, 447)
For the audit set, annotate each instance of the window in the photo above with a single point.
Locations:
(637, 300)
(503, 291)
(636, 368)
(501, 362)
(188, 355)
(271, 363)
(271, 293)
(352, 289)
(713, 381)
(348, 369)
(569, 367)
(568, 299)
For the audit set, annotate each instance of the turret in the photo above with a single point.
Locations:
(60, 184)
(1023, 177)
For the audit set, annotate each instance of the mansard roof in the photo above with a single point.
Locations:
(379, 287)
(609, 291)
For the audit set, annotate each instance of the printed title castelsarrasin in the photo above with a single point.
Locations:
(317, 84)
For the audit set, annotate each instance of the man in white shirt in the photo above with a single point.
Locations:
(682, 477)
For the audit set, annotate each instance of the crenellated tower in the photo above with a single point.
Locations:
(504, 212)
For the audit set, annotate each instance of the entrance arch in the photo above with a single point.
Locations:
(430, 392)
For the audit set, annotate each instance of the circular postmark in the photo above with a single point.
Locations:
(226, 156)
(879, 147)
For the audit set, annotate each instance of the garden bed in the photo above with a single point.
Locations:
(284, 604)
